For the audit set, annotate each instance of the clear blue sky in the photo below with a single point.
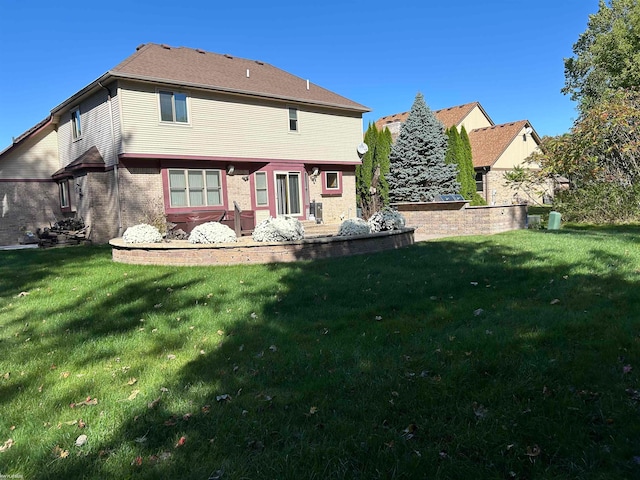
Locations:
(506, 54)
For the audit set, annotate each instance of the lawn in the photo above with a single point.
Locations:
(514, 356)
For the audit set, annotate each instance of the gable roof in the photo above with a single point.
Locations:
(195, 68)
(89, 160)
(448, 116)
(489, 143)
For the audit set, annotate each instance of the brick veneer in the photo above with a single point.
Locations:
(458, 218)
(182, 253)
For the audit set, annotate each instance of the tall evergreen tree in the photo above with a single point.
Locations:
(418, 170)
(383, 150)
(467, 176)
(364, 172)
(372, 189)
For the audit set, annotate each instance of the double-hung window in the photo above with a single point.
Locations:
(479, 182)
(195, 188)
(293, 119)
(262, 193)
(76, 124)
(173, 107)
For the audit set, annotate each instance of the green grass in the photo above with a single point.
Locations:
(502, 357)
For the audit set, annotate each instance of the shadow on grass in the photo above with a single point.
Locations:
(435, 358)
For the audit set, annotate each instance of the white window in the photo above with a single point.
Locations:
(76, 125)
(288, 198)
(195, 188)
(173, 107)
(64, 194)
(262, 192)
(293, 119)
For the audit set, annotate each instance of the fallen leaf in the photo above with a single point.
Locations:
(627, 369)
(313, 410)
(181, 441)
(220, 332)
(478, 312)
(555, 301)
(7, 445)
(6, 375)
(133, 395)
(81, 424)
(88, 401)
(479, 410)
(171, 356)
(137, 461)
(81, 440)
(23, 294)
(225, 397)
(273, 348)
(59, 452)
(533, 451)
(154, 403)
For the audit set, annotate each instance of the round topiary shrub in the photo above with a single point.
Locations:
(354, 226)
(386, 219)
(280, 229)
(212, 232)
(142, 233)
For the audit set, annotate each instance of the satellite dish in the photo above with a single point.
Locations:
(528, 130)
(362, 148)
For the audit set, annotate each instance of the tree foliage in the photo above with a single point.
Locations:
(601, 159)
(418, 170)
(372, 188)
(607, 54)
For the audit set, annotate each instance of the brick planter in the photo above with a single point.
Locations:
(246, 251)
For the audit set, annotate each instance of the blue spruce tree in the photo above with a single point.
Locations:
(418, 170)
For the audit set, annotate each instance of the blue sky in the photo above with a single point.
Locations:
(508, 55)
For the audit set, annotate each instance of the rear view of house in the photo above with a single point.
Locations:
(182, 131)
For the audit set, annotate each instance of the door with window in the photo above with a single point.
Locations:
(288, 197)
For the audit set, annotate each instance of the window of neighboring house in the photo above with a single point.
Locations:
(63, 187)
(76, 124)
(173, 107)
(479, 182)
(262, 193)
(195, 188)
(293, 119)
(331, 183)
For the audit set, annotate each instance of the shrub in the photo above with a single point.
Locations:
(142, 233)
(212, 232)
(354, 226)
(280, 229)
(386, 219)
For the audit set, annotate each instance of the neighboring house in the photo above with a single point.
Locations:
(496, 149)
(177, 130)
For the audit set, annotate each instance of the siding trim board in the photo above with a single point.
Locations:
(162, 156)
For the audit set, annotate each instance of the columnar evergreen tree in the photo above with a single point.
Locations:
(468, 184)
(418, 170)
(372, 189)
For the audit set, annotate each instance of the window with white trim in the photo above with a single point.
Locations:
(173, 107)
(262, 192)
(288, 193)
(63, 188)
(76, 124)
(332, 180)
(293, 119)
(195, 188)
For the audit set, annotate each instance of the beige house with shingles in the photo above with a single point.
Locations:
(184, 131)
(496, 149)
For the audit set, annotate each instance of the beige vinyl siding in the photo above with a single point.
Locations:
(35, 158)
(96, 130)
(517, 151)
(475, 119)
(228, 126)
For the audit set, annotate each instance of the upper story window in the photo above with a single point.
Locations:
(293, 119)
(76, 124)
(195, 188)
(262, 194)
(173, 107)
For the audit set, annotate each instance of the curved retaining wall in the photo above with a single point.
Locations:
(246, 251)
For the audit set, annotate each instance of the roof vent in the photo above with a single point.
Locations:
(200, 51)
(247, 73)
(166, 47)
(259, 62)
(139, 46)
(227, 55)
(307, 84)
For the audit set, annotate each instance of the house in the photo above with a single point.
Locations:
(496, 149)
(172, 131)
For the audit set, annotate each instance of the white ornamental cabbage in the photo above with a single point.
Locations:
(386, 219)
(212, 232)
(142, 233)
(280, 229)
(353, 226)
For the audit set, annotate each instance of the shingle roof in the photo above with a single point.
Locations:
(448, 116)
(488, 144)
(197, 68)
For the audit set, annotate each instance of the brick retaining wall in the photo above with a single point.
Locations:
(458, 218)
(245, 251)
